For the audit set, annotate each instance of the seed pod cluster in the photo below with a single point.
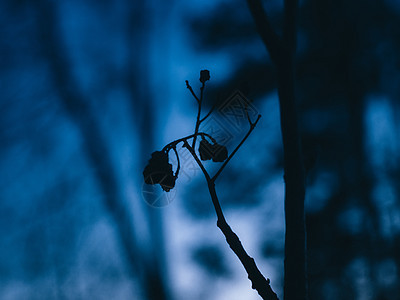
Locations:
(216, 152)
(159, 171)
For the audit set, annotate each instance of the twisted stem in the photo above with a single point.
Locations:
(174, 143)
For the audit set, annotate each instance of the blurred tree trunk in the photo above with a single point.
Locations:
(359, 179)
(282, 53)
(295, 284)
(95, 146)
(139, 84)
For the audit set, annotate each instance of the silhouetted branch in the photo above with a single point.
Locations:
(208, 114)
(191, 150)
(174, 143)
(204, 76)
(248, 116)
(218, 153)
(259, 283)
(178, 162)
(198, 121)
(252, 126)
(191, 90)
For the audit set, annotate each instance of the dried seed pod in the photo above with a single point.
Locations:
(206, 150)
(220, 153)
(216, 152)
(168, 182)
(204, 76)
(159, 171)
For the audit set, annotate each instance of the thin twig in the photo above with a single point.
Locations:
(252, 126)
(198, 115)
(191, 90)
(174, 143)
(208, 114)
(210, 183)
(191, 150)
(259, 283)
(178, 161)
(247, 115)
(202, 90)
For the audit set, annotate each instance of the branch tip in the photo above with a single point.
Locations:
(191, 90)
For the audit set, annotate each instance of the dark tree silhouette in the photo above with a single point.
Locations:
(282, 52)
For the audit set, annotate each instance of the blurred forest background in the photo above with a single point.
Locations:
(90, 88)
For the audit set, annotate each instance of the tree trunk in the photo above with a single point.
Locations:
(282, 53)
(97, 152)
(295, 284)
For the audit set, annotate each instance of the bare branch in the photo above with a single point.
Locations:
(191, 90)
(252, 126)
(174, 143)
(178, 162)
(208, 114)
(191, 150)
(247, 115)
(259, 283)
(198, 115)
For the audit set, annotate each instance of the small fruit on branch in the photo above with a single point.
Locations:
(204, 76)
(216, 152)
(159, 171)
